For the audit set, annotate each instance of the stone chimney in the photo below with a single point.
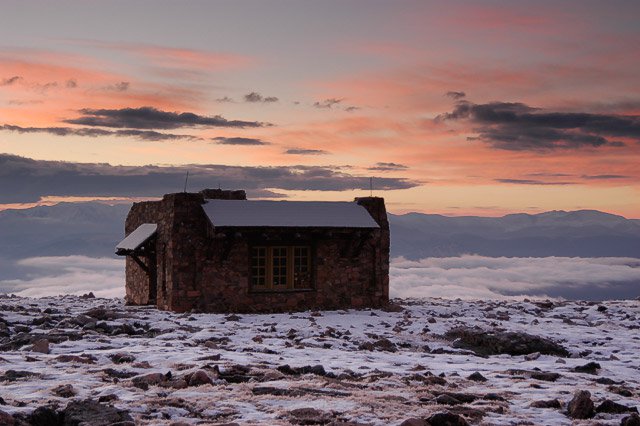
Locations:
(375, 207)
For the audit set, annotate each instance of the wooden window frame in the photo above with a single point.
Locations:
(289, 265)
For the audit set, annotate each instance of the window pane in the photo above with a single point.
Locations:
(301, 269)
(279, 265)
(258, 267)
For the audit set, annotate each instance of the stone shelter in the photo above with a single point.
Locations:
(216, 251)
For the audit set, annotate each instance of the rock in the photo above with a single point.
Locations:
(447, 419)
(83, 359)
(151, 379)
(90, 412)
(307, 369)
(434, 380)
(6, 419)
(379, 345)
(236, 373)
(621, 390)
(392, 307)
(473, 414)
(89, 295)
(493, 397)
(494, 343)
(64, 391)
(13, 375)
(590, 368)
(309, 416)
(108, 398)
(477, 377)
(447, 400)
(605, 381)
(545, 376)
(551, 403)
(41, 346)
(532, 357)
(462, 397)
(199, 378)
(414, 422)
(121, 358)
(45, 416)
(233, 317)
(117, 374)
(103, 314)
(608, 406)
(632, 420)
(581, 406)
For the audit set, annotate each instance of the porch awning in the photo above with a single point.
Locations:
(135, 240)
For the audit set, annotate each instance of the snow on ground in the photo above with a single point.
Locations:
(378, 367)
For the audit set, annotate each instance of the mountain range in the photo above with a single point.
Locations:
(93, 229)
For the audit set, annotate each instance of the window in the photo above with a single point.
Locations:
(280, 268)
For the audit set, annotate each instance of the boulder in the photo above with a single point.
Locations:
(632, 420)
(385, 345)
(590, 368)
(92, 413)
(6, 418)
(447, 419)
(581, 406)
(309, 416)
(45, 416)
(608, 406)
(151, 379)
(447, 400)
(551, 403)
(485, 343)
(121, 358)
(477, 377)
(199, 378)
(41, 346)
(414, 422)
(64, 391)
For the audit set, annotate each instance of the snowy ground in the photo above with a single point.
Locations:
(370, 380)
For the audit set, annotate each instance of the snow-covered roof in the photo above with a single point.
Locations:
(249, 213)
(137, 238)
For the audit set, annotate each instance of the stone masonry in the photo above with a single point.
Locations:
(194, 265)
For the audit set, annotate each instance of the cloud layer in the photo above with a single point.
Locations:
(146, 135)
(471, 277)
(465, 277)
(152, 118)
(516, 126)
(239, 141)
(50, 276)
(25, 180)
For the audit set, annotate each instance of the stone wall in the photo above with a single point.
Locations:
(138, 284)
(345, 264)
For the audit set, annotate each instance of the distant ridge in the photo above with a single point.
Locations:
(581, 233)
(94, 228)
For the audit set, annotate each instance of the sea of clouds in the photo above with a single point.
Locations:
(465, 277)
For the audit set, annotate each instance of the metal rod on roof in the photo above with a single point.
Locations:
(185, 181)
(371, 186)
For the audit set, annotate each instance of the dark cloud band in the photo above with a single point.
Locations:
(146, 135)
(519, 127)
(25, 180)
(152, 118)
(303, 151)
(239, 141)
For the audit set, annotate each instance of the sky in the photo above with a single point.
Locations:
(458, 108)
